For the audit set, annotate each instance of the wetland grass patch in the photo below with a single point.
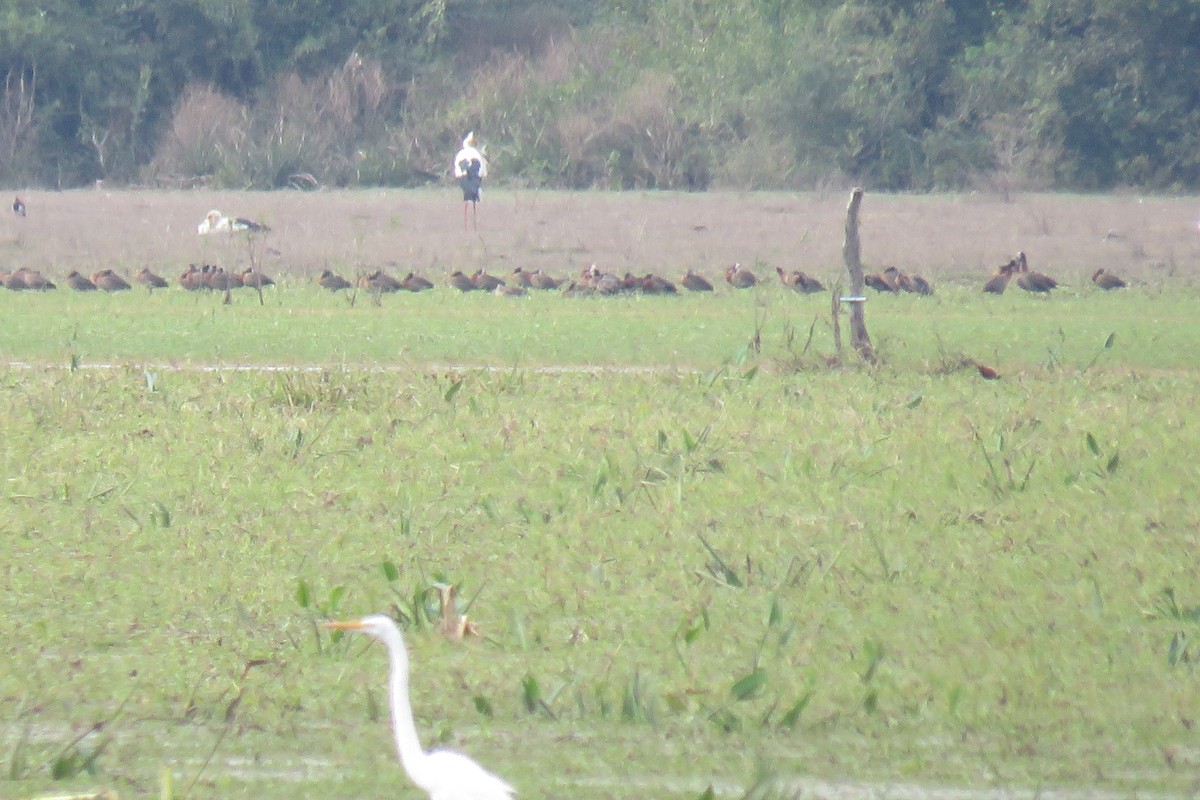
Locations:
(674, 576)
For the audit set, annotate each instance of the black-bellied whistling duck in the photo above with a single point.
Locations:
(334, 283)
(1107, 281)
(739, 277)
(110, 281)
(695, 283)
(79, 283)
(540, 280)
(461, 282)
(415, 283)
(1033, 281)
(999, 282)
(150, 280)
(485, 282)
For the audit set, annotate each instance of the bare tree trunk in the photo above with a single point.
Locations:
(859, 338)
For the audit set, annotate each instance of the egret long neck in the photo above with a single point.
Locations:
(407, 743)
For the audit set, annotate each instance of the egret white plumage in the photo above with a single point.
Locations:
(442, 774)
(216, 221)
(470, 168)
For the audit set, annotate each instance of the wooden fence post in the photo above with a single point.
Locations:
(859, 338)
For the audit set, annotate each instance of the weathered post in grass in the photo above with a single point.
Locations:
(859, 338)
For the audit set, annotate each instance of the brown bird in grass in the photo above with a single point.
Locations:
(504, 290)
(461, 282)
(414, 283)
(999, 282)
(192, 278)
(255, 279)
(695, 283)
(110, 281)
(379, 281)
(485, 282)
(28, 279)
(333, 282)
(656, 284)
(1033, 281)
(1107, 281)
(148, 279)
(904, 282)
(799, 281)
(880, 283)
(540, 280)
(522, 278)
(218, 279)
(740, 278)
(79, 283)
(985, 372)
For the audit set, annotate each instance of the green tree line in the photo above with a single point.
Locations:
(675, 94)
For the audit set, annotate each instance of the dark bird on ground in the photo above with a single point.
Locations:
(1033, 281)
(461, 282)
(110, 281)
(915, 284)
(28, 279)
(799, 281)
(415, 283)
(79, 283)
(999, 282)
(148, 279)
(485, 282)
(523, 278)
(332, 282)
(18, 207)
(880, 283)
(470, 168)
(218, 279)
(903, 282)
(379, 281)
(1106, 280)
(192, 279)
(540, 280)
(695, 283)
(255, 279)
(985, 371)
(656, 284)
(740, 278)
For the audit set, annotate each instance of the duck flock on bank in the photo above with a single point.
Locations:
(589, 281)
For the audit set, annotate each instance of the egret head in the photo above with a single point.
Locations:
(376, 625)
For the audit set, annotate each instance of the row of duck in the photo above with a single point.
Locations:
(590, 280)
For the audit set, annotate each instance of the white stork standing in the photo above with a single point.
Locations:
(216, 221)
(470, 167)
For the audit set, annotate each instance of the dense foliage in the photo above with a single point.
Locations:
(909, 94)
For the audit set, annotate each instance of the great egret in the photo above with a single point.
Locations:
(442, 774)
(470, 168)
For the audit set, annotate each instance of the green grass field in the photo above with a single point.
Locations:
(694, 563)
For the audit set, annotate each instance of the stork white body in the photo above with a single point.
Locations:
(215, 221)
(470, 168)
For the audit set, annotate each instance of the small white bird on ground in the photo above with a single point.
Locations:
(216, 221)
(442, 774)
(470, 167)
